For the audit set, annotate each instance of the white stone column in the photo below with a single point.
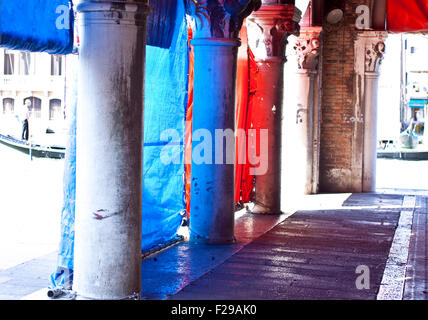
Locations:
(107, 260)
(303, 139)
(369, 52)
(216, 27)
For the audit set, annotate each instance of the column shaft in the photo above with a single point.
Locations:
(303, 151)
(303, 140)
(216, 27)
(267, 114)
(109, 149)
(212, 188)
(370, 131)
(369, 53)
(269, 28)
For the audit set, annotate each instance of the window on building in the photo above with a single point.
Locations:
(36, 107)
(25, 63)
(8, 105)
(9, 63)
(415, 87)
(55, 109)
(56, 65)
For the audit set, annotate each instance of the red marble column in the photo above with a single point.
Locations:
(268, 30)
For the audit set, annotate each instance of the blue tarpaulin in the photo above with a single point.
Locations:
(37, 25)
(165, 104)
(63, 276)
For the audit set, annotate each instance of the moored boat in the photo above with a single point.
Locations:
(32, 148)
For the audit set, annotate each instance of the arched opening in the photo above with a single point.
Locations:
(55, 111)
(8, 105)
(36, 107)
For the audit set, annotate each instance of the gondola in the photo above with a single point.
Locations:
(36, 150)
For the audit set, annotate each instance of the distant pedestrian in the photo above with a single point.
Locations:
(25, 116)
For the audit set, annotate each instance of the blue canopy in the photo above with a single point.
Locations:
(418, 103)
(37, 25)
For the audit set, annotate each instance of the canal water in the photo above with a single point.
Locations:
(402, 174)
(30, 206)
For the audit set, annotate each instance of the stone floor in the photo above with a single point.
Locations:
(313, 253)
(416, 285)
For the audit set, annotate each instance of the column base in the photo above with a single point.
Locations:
(196, 239)
(262, 210)
(136, 296)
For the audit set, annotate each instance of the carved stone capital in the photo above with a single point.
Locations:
(374, 56)
(219, 18)
(307, 49)
(269, 28)
(374, 49)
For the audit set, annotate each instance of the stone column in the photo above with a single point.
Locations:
(216, 27)
(304, 133)
(107, 261)
(268, 30)
(369, 52)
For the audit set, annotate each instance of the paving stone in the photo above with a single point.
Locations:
(416, 284)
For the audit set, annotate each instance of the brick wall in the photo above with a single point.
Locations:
(341, 139)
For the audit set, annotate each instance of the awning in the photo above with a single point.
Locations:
(37, 25)
(407, 16)
(418, 103)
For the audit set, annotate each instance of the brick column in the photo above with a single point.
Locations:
(216, 27)
(268, 30)
(109, 147)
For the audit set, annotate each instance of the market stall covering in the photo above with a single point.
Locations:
(407, 16)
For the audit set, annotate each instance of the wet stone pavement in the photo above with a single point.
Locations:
(416, 286)
(311, 255)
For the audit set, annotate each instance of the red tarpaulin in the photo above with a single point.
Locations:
(188, 137)
(407, 16)
(246, 84)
